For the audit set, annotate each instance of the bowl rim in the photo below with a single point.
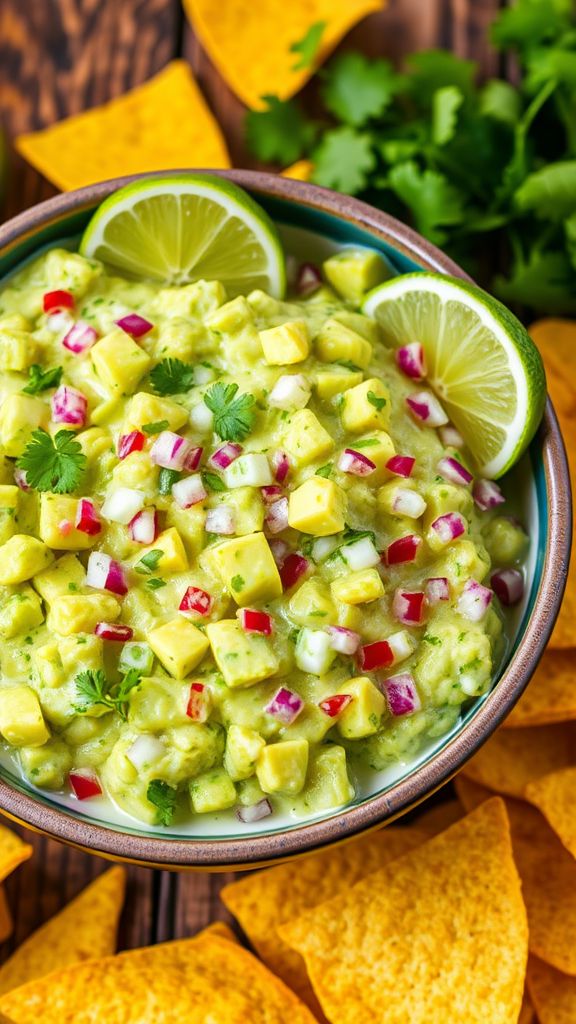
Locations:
(225, 853)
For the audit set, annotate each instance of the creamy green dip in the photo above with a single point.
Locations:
(247, 626)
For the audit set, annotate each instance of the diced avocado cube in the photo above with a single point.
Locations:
(363, 716)
(444, 497)
(243, 746)
(366, 407)
(137, 471)
(282, 767)
(352, 272)
(506, 541)
(21, 612)
(189, 524)
(328, 784)
(173, 557)
(379, 448)
(247, 506)
(312, 605)
(213, 791)
(336, 343)
(365, 326)
(159, 703)
(318, 507)
(21, 557)
(15, 322)
(350, 616)
(231, 318)
(18, 349)
(69, 270)
(286, 344)
(48, 664)
(94, 442)
(314, 652)
(9, 495)
(47, 766)
(311, 725)
(144, 408)
(305, 439)
(333, 382)
(463, 559)
(358, 587)
(20, 416)
(248, 569)
(65, 576)
(119, 362)
(70, 614)
(179, 645)
(243, 658)
(249, 792)
(57, 510)
(21, 720)
(198, 299)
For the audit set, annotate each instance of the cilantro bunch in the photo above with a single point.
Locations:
(485, 170)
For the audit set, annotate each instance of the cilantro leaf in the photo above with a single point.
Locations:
(501, 101)
(343, 160)
(53, 464)
(167, 479)
(527, 23)
(308, 46)
(326, 470)
(434, 69)
(172, 377)
(237, 582)
(40, 380)
(280, 133)
(544, 279)
(93, 689)
(357, 89)
(434, 201)
(550, 192)
(377, 402)
(446, 103)
(233, 416)
(212, 481)
(155, 428)
(155, 583)
(368, 442)
(163, 797)
(149, 562)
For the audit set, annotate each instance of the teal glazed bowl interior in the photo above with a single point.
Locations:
(313, 222)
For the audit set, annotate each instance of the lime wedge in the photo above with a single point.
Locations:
(186, 227)
(481, 363)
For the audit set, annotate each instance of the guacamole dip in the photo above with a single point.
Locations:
(243, 557)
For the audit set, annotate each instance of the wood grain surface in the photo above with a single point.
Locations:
(58, 57)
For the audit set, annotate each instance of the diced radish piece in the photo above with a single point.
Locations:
(189, 491)
(84, 784)
(401, 694)
(334, 706)
(199, 702)
(103, 573)
(255, 812)
(133, 442)
(145, 751)
(69, 406)
(193, 459)
(87, 518)
(114, 631)
(291, 391)
(170, 450)
(411, 360)
(314, 651)
(254, 621)
(143, 528)
(425, 407)
(355, 463)
(271, 493)
(123, 505)
(279, 549)
(136, 655)
(56, 301)
(196, 602)
(201, 418)
(225, 456)
(65, 527)
(276, 518)
(80, 337)
(252, 470)
(360, 554)
(343, 641)
(437, 589)
(285, 706)
(402, 644)
(21, 480)
(323, 547)
(221, 520)
(474, 601)
(454, 471)
(404, 549)
(374, 656)
(449, 526)
(450, 437)
(293, 568)
(134, 325)
(308, 280)
(508, 585)
(487, 495)
(401, 465)
(408, 503)
(408, 607)
(280, 466)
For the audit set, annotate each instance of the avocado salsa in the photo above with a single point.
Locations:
(243, 556)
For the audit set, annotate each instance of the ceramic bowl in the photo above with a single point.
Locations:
(315, 220)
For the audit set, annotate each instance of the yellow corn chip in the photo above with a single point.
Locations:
(191, 981)
(553, 993)
(514, 757)
(84, 930)
(470, 794)
(13, 852)
(300, 171)
(6, 923)
(161, 125)
(550, 696)
(221, 930)
(527, 1011)
(438, 818)
(555, 796)
(264, 900)
(250, 43)
(438, 935)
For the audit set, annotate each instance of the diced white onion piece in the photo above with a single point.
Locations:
(474, 601)
(454, 471)
(225, 455)
(487, 495)
(144, 527)
(251, 470)
(409, 503)
(255, 812)
(189, 491)
(136, 655)
(145, 751)
(355, 463)
(361, 554)
(276, 518)
(69, 406)
(122, 505)
(402, 644)
(291, 391)
(285, 705)
(401, 694)
(508, 585)
(323, 547)
(437, 589)
(170, 450)
(314, 651)
(279, 549)
(449, 526)
(220, 520)
(203, 375)
(425, 407)
(344, 641)
(201, 419)
(104, 573)
(450, 437)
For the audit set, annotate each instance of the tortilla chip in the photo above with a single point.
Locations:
(550, 696)
(555, 796)
(250, 43)
(84, 930)
(553, 993)
(221, 930)
(527, 1015)
(438, 818)
(439, 935)
(6, 923)
(196, 980)
(13, 852)
(264, 900)
(300, 171)
(511, 759)
(161, 125)
(470, 794)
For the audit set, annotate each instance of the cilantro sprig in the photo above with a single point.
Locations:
(40, 380)
(53, 464)
(172, 377)
(93, 689)
(163, 797)
(233, 413)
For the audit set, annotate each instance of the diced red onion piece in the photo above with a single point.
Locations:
(134, 325)
(254, 621)
(425, 406)
(291, 391)
(143, 528)
(271, 493)
(376, 655)
(401, 694)
(276, 518)
(87, 518)
(293, 567)
(356, 463)
(343, 640)
(103, 573)
(69, 406)
(279, 549)
(114, 631)
(408, 503)
(123, 505)
(56, 301)
(450, 437)
(84, 784)
(221, 520)
(280, 465)
(437, 589)
(411, 360)
(133, 442)
(196, 602)
(309, 279)
(21, 480)
(474, 601)
(285, 706)
(487, 494)
(145, 751)
(449, 526)
(225, 456)
(189, 491)
(334, 706)
(401, 465)
(404, 549)
(198, 706)
(454, 471)
(255, 812)
(408, 607)
(80, 337)
(508, 585)
(170, 450)
(193, 459)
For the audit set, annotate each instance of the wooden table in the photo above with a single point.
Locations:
(58, 57)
